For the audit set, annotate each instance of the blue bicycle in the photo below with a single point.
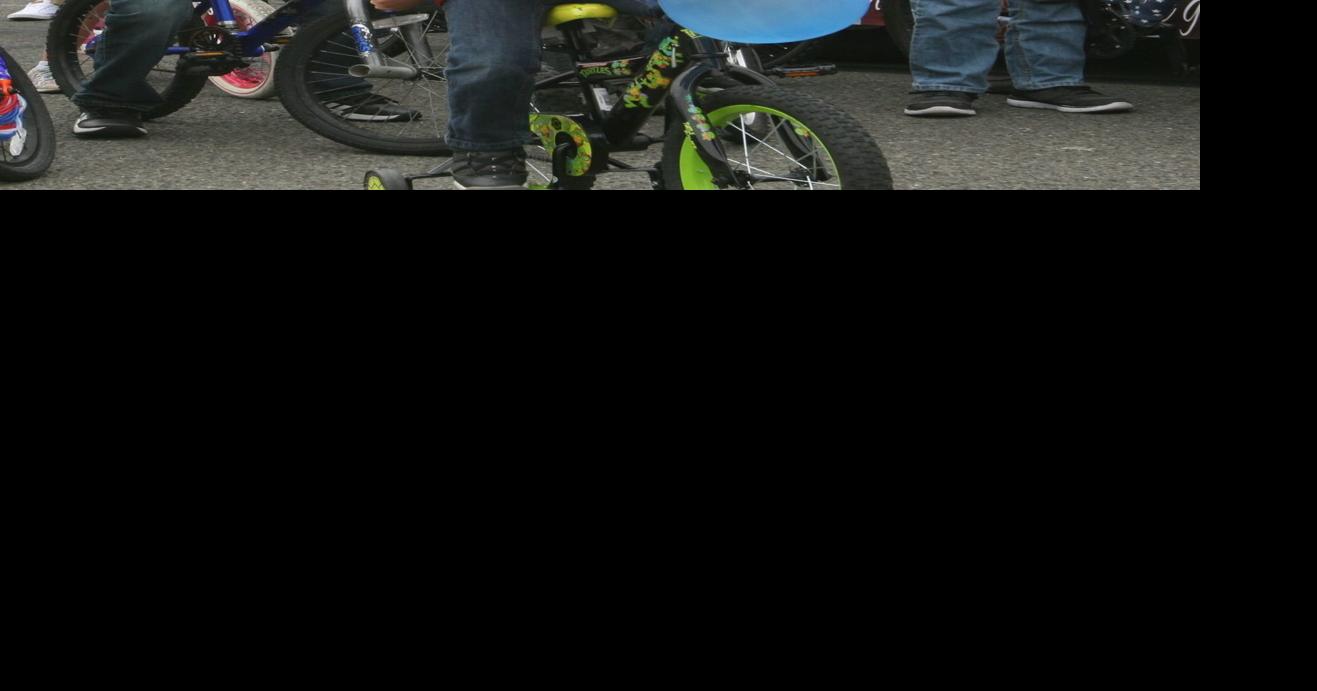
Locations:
(352, 74)
(27, 137)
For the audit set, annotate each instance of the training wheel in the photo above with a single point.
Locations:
(387, 179)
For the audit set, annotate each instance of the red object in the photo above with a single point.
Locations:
(875, 16)
(9, 105)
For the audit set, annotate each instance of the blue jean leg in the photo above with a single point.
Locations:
(492, 63)
(137, 33)
(1045, 44)
(955, 44)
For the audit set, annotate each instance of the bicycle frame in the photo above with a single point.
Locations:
(672, 73)
(581, 145)
(255, 41)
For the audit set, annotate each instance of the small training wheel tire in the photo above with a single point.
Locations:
(387, 179)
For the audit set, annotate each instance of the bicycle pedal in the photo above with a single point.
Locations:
(209, 64)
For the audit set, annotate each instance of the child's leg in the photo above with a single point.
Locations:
(137, 33)
(492, 64)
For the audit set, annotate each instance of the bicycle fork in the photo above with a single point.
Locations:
(410, 26)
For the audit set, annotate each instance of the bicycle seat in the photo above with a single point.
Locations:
(577, 11)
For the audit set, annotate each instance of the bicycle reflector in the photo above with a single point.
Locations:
(766, 21)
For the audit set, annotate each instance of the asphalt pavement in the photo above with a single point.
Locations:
(219, 142)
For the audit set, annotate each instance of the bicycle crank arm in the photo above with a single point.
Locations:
(382, 71)
(400, 20)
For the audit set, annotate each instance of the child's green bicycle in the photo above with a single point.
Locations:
(727, 127)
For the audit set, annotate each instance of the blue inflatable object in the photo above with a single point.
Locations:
(766, 21)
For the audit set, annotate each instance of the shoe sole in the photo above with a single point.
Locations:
(378, 118)
(30, 19)
(1117, 107)
(941, 112)
(108, 132)
(506, 188)
(360, 117)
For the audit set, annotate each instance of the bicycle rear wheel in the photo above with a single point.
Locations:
(256, 81)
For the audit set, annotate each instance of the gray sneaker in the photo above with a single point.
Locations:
(42, 79)
(483, 170)
(1069, 99)
(109, 124)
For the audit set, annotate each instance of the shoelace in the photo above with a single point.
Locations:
(494, 164)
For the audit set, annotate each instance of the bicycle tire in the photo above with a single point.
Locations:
(859, 161)
(257, 81)
(296, 74)
(36, 161)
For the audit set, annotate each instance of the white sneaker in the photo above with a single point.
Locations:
(36, 11)
(43, 80)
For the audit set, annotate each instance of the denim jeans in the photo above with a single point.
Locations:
(137, 33)
(492, 63)
(955, 44)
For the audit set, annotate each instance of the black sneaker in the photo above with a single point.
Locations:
(1069, 99)
(942, 104)
(372, 108)
(109, 124)
(486, 170)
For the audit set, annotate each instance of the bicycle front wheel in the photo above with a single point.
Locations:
(778, 139)
(27, 137)
(390, 116)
